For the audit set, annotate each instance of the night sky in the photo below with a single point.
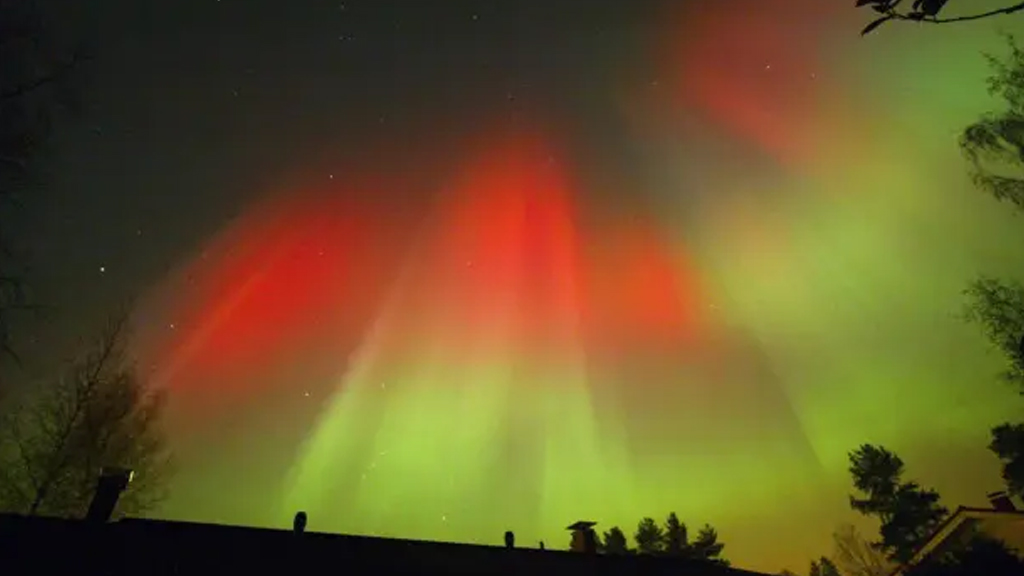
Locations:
(442, 269)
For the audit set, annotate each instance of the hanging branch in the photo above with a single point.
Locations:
(925, 11)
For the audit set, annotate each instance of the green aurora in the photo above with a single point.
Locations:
(824, 281)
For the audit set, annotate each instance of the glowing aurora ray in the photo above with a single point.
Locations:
(471, 392)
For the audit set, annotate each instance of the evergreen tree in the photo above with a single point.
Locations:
(649, 537)
(908, 512)
(1008, 444)
(707, 547)
(676, 542)
(994, 145)
(824, 567)
(615, 541)
(997, 307)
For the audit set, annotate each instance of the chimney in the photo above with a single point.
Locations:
(584, 539)
(112, 482)
(1001, 502)
(299, 522)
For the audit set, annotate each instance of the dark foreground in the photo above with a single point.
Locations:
(42, 546)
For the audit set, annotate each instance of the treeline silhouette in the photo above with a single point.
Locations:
(908, 512)
(668, 539)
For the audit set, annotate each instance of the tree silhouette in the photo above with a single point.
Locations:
(928, 11)
(1008, 444)
(998, 308)
(820, 567)
(98, 414)
(908, 512)
(35, 81)
(980, 555)
(855, 556)
(675, 540)
(615, 541)
(670, 540)
(994, 145)
(707, 547)
(823, 567)
(649, 537)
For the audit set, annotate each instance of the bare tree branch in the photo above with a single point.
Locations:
(855, 556)
(926, 11)
(936, 20)
(100, 414)
(36, 70)
(56, 74)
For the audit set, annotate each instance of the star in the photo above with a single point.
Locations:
(103, 269)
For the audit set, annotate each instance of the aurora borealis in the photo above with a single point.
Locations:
(663, 256)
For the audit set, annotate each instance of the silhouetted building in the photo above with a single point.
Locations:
(1001, 501)
(1003, 522)
(130, 547)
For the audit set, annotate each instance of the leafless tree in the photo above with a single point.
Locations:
(35, 80)
(99, 414)
(855, 556)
